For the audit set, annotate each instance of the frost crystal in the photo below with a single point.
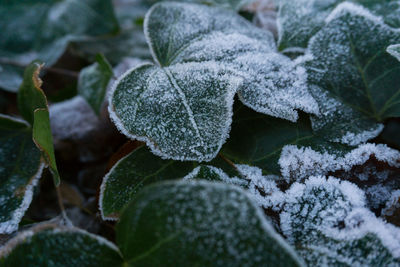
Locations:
(300, 162)
(328, 223)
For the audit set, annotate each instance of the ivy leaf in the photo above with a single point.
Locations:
(32, 104)
(394, 50)
(130, 174)
(20, 170)
(93, 81)
(201, 223)
(326, 220)
(272, 83)
(32, 30)
(49, 245)
(258, 140)
(350, 63)
(182, 112)
(141, 168)
(204, 55)
(299, 20)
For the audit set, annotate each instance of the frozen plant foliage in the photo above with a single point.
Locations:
(199, 222)
(349, 62)
(299, 20)
(394, 50)
(182, 107)
(182, 112)
(20, 169)
(59, 246)
(262, 188)
(298, 163)
(212, 173)
(326, 221)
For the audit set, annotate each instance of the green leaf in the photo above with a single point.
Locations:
(141, 168)
(30, 93)
(20, 170)
(42, 30)
(258, 140)
(48, 245)
(228, 4)
(32, 104)
(182, 107)
(299, 20)
(93, 81)
(181, 112)
(199, 223)
(130, 174)
(44, 141)
(394, 50)
(327, 222)
(359, 81)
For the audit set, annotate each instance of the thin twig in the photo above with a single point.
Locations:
(65, 72)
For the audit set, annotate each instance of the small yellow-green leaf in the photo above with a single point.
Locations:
(44, 140)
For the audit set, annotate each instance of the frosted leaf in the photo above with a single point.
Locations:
(377, 178)
(391, 211)
(349, 61)
(199, 222)
(182, 112)
(130, 174)
(32, 30)
(20, 170)
(211, 173)
(326, 221)
(298, 163)
(49, 245)
(93, 81)
(273, 85)
(258, 140)
(338, 122)
(299, 20)
(394, 50)
(263, 188)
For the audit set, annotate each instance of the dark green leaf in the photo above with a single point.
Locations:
(130, 174)
(258, 140)
(48, 245)
(93, 81)
(359, 80)
(20, 170)
(199, 223)
(299, 20)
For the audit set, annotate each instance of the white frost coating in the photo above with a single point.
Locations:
(221, 175)
(263, 188)
(347, 7)
(394, 50)
(315, 209)
(12, 225)
(72, 119)
(25, 236)
(217, 128)
(298, 163)
(354, 139)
